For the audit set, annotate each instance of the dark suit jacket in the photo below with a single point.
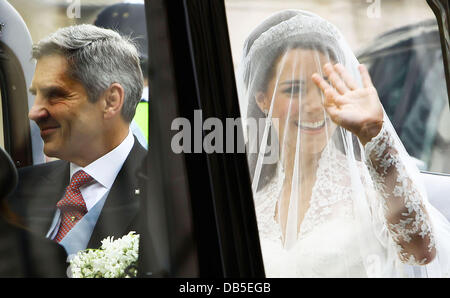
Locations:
(42, 186)
(27, 255)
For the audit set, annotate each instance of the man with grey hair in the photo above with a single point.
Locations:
(87, 84)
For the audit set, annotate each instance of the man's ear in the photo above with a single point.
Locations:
(113, 98)
(262, 101)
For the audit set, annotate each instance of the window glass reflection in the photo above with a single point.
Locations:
(340, 154)
(45, 17)
(386, 36)
(83, 93)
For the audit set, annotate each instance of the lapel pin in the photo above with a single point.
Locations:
(137, 191)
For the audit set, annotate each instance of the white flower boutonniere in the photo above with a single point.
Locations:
(114, 259)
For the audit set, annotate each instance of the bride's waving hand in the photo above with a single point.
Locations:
(356, 109)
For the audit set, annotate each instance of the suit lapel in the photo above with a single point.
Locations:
(119, 213)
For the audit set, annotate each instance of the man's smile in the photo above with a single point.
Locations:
(47, 130)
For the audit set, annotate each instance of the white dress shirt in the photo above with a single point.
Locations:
(104, 172)
(144, 96)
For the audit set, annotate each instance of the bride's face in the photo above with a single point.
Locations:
(297, 102)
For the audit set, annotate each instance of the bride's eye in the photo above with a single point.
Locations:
(294, 89)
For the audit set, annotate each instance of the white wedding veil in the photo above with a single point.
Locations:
(318, 198)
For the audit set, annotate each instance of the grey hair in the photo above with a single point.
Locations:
(97, 58)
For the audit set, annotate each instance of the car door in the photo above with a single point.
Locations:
(197, 217)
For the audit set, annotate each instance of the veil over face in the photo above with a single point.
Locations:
(297, 102)
(316, 199)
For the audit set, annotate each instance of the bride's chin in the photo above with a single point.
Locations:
(313, 148)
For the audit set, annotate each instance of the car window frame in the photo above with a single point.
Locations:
(441, 9)
(191, 68)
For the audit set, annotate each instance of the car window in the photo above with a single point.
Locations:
(408, 71)
(56, 14)
(398, 41)
(400, 44)
(117, 197)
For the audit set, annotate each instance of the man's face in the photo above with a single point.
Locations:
(70, 124)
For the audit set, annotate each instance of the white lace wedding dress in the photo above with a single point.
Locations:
(328, 244)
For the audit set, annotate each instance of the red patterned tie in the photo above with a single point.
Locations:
(72, 206)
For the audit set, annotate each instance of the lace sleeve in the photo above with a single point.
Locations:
(405, 216)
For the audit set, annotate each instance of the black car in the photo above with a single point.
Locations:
(407, 69)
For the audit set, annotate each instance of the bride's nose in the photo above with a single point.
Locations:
(311, 104)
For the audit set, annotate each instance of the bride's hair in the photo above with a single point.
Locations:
(259, 68)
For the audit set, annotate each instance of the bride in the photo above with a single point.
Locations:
(343, 199)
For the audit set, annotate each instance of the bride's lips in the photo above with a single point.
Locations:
(311, 127)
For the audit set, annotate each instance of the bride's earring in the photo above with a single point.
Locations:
(266, 112)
